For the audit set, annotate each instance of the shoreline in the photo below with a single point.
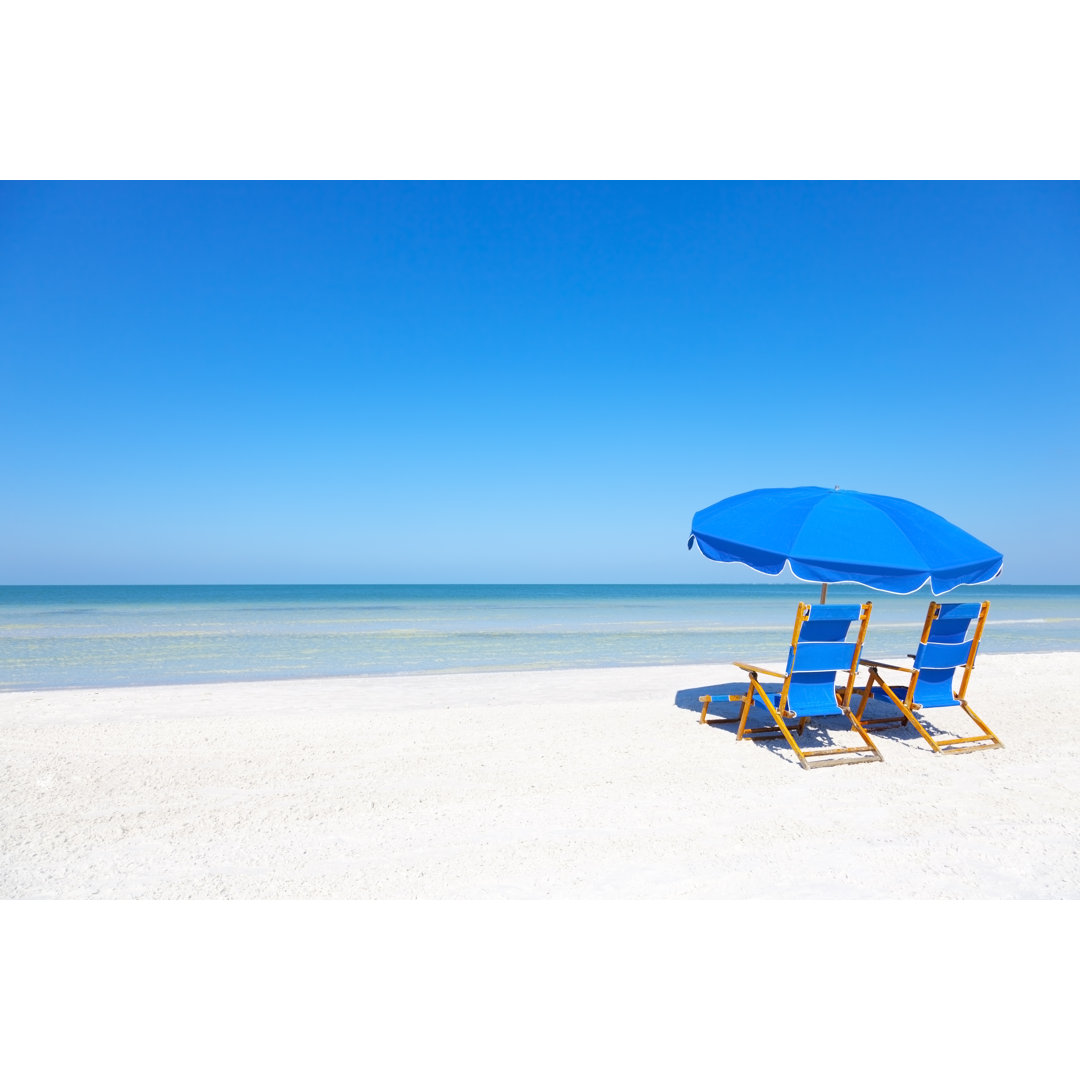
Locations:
(438, 672)
(91, 638)
(565, 782)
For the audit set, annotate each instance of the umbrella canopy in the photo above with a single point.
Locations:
(829, 535)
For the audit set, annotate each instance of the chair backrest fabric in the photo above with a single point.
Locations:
(936, 654)
(819, 652)
(946, 648)
(952, 622)
(829, 622)
(821, 656)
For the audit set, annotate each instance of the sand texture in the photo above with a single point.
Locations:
(574, 784)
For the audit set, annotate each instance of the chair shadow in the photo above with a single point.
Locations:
(720, 706)
(893, 725)
(820, 731)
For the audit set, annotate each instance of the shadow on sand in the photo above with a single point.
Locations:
(821, 731)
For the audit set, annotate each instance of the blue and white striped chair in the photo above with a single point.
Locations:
(944, 648)
(819, 652)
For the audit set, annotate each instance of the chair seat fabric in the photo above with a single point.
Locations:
(812, 698)
(929, 695)
(818, 656)
(945, 653)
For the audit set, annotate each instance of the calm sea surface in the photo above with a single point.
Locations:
(137, 635)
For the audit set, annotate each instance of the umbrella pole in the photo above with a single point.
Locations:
(824, 591)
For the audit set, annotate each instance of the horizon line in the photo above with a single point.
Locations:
(492, 584)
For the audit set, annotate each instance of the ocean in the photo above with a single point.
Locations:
(94, 636)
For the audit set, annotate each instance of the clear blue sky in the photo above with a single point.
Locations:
(543, 382)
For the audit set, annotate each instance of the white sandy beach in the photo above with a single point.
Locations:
(569, 784)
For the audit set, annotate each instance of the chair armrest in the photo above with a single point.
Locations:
(891, 667)
(758, 670)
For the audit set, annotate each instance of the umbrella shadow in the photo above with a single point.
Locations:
(821, 732)
(720, 708)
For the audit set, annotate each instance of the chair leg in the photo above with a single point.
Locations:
(856, 726)
(838, 755)
(808, 759)
(706, 701)
(972, 742)
(965, 745)
(818, 759)
(747, 699)
(781, 726)
(774, 731)
(907, 713)
(864, 698)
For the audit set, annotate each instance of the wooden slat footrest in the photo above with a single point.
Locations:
(836, 750)
(988, 745)
(844, 760)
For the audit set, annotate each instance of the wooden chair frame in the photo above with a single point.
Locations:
(909, 707)
(809, 759)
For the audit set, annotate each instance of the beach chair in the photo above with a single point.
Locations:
(943, 650)
(819, 652)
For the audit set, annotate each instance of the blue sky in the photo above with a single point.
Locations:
(383, 382)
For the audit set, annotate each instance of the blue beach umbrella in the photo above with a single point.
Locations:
(832, 536)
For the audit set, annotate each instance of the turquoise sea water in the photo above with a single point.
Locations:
(59, 636)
